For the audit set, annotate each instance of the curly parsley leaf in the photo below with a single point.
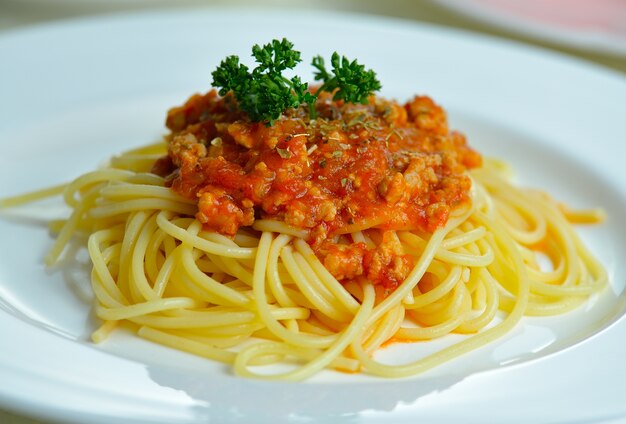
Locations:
(264, 94)
(352, 82)
(276, 56)
(231, 76)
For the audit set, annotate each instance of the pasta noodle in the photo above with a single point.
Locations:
(263, 297)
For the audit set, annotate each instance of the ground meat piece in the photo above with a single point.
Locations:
(420, 175)
(393, 188)
(242, 134)
(427, 115)
(218, 211)
(186, 151)
(387, 264)
(344, 261)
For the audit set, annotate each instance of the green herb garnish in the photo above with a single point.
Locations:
(283, 153)
(264, 93)
(352, 82)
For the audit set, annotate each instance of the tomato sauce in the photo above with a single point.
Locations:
(383, 165)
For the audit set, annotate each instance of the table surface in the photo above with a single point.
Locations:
(19, 14)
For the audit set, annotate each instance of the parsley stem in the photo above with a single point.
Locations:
(312, 110)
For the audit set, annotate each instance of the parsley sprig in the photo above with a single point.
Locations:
(352, 82)
(264, 93)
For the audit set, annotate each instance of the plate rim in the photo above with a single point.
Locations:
(476, 37)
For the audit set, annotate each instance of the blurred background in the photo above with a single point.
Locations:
(591, 30)
(594, 30)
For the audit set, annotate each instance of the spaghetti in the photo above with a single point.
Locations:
(199, 247)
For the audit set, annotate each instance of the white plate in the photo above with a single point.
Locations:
(597, 26)
(77, 92)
